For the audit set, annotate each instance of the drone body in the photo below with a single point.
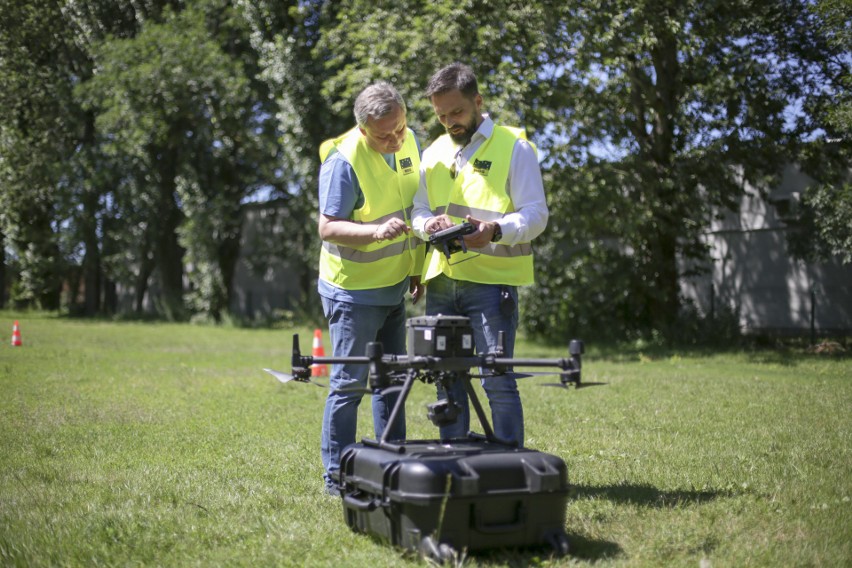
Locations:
(441, 350)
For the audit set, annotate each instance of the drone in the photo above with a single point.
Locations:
(441, 351)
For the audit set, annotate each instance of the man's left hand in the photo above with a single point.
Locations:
(417, 289)
(483, 235)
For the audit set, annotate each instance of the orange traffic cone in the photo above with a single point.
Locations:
(16, 335)
(318, 369)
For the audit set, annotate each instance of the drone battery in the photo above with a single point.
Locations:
(444, 496)
(440, 336)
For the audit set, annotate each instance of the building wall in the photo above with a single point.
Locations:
(262, 295)
(267, 290)
(265, 283)
(752, 274)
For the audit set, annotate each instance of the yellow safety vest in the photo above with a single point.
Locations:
(387, 193)
(479, 190)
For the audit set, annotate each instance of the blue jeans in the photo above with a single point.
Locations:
(351, 327)
(491, 309)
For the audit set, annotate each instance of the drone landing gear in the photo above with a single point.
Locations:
(442, 413)
(437, 552)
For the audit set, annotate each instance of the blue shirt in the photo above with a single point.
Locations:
(339, 195)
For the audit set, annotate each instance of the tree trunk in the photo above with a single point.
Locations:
(92, 272)
(229, 254)
(168, 253)
(2, 270)
(146, 267)
(110, 304)
(655, 104)
(664, 295)
(92, 268)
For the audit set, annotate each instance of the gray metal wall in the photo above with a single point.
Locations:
(752, 273)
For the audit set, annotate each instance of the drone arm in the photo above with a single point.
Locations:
(570, 367)
(301, 364)
(564, 364)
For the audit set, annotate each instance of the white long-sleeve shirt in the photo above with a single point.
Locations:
(524, 187)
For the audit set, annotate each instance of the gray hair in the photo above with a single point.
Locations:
(377, 101)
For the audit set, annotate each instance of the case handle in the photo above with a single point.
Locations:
(517, 524)
(359, 505)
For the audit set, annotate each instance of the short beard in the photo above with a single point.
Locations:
(464, 138)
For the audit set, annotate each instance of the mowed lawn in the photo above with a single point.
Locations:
(142, 444)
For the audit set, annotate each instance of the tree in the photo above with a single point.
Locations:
(235, 152)
(37, 134)
(405, 42)
(130, 200)
(53, 174)
(287, 36)
(140, 129)
(822, 229)
(671, 109)
(180, 109)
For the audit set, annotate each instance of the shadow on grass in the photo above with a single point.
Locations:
(580, 548)
(645, 495)
(583, 548)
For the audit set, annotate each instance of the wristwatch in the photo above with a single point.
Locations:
(498, 233)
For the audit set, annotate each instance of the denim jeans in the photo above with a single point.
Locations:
(351, 327)
(491, 309)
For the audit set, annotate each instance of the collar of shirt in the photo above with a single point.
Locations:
(483, 133)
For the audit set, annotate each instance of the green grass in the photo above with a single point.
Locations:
(163, 444)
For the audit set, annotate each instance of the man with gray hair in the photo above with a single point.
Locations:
(369, 258)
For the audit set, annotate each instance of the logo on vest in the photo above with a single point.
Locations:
(481, 167)
(407, 166)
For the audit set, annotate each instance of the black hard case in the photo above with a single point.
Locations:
(465, 494)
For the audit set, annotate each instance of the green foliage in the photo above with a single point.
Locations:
(180, 103)
(285, 37)
(823, 221)
(836, 107)
(650, 119)
(822, 230)
(36, 137)
(368, 41)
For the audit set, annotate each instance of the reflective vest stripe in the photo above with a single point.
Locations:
(496, 249)
(356, 255)
(462, 211)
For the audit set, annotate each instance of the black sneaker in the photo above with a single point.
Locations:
(332, 489)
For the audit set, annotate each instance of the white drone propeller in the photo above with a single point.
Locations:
(286, 378)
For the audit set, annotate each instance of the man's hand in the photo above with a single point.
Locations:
(483, 235)
(417, 289)
(439, 223)
(390, 229)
